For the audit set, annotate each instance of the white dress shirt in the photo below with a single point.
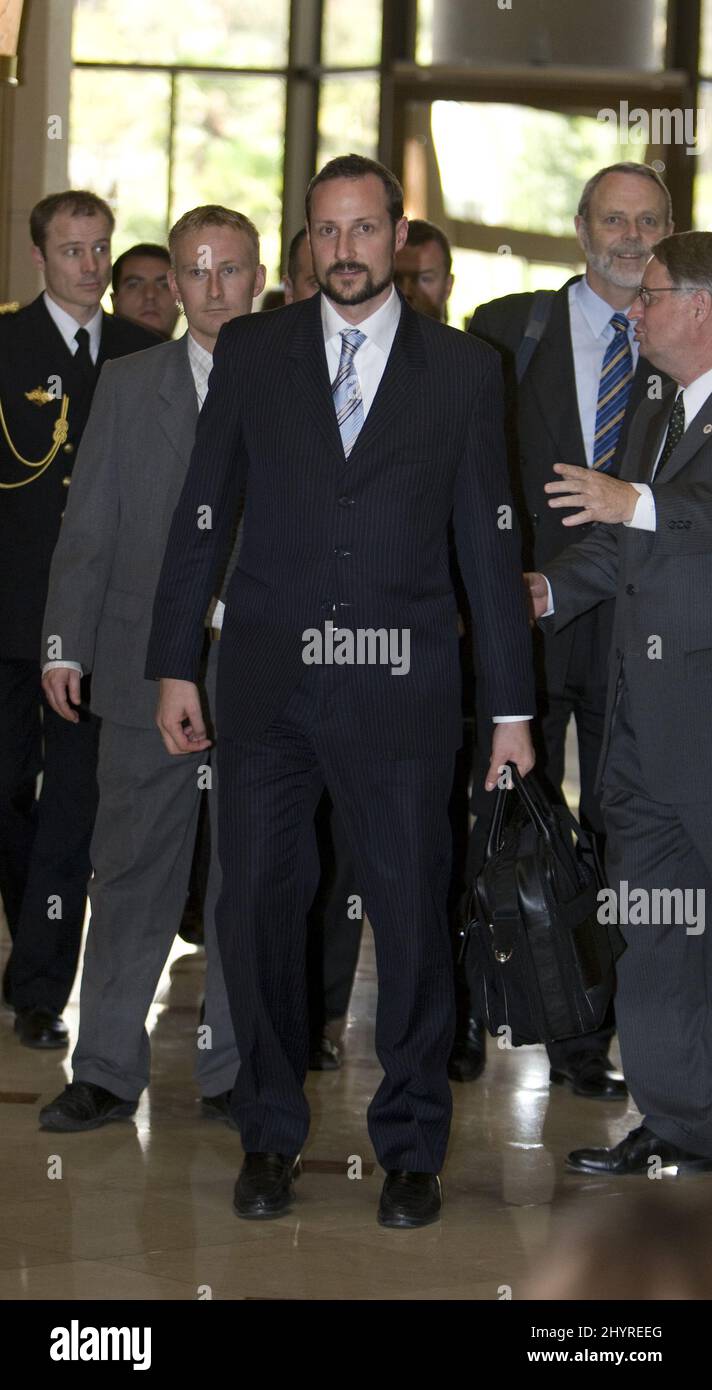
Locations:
(68, 327)
(201, 362)
(591, 334)
(370, 359)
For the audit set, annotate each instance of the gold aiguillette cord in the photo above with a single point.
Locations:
(59, 434)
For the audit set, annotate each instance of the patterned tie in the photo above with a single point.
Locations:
(613, 393)
(82, 357)
(675, 431)
(346, 390)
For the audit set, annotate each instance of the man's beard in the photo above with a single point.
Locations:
(369, 289)
(603, 263)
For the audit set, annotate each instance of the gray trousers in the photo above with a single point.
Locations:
(664, 994)
(141, 854)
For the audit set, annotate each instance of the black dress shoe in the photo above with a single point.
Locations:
(264, 1188)
(216, 1107)
(325, 1055)
(632, 1155)
(591, 1077)
(41, 1028)
(469, 1054)
(82, 1105)
(410, 1199)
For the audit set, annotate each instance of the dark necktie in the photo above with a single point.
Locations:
(675, 431)
(613, 392)
(82, 357)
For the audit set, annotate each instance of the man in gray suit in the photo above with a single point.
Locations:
(128, 478)
(652, 551)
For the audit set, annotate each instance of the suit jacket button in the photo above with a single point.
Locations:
(68, 448)
(630, 589)
(345, 501)
(66, 481)
(534, 518)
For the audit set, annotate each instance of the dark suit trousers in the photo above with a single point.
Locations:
(664, 994)
(334, 926)
(49, 925)
(394, 815)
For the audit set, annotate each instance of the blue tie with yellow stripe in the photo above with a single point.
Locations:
(613, 392)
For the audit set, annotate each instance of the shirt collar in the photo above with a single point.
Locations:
(695, 395)
(198, 355)
(68, 325)
(379, 327)
(596, 311)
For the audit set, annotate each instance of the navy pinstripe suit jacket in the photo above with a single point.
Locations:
(362, 543)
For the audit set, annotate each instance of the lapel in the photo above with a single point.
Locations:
(639, 462)
(178, 403)
(309, 372)
(552, 379)
(699, 432)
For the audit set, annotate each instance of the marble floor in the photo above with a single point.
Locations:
(142, 1209)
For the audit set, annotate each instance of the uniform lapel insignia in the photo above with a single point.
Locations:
(39, 396)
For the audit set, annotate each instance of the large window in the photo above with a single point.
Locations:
(179, 104)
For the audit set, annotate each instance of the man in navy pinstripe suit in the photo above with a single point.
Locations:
(354, 427)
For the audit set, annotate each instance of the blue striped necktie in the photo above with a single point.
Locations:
(613, 393)
(346, 390)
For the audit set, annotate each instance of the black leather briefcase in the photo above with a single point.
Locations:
(539, 963)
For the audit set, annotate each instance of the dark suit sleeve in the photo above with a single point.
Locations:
(683, 517)
(202, 528)
(582, 575)
(489, 553)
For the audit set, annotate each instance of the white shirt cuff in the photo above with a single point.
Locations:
(644, 517)
(550, 596)
(68, 665)
(511, 718)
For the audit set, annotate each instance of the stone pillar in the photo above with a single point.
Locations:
(34, 137)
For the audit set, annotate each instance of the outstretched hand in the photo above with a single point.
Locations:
(599, 497)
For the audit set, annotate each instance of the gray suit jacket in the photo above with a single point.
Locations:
(662, 583)
(126, 482)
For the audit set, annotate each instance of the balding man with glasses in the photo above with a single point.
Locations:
(651, 550)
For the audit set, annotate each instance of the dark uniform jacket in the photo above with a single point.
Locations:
(38, 376)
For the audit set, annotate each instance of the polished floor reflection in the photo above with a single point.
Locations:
(142, 1209)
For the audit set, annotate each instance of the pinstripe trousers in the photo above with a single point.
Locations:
(394, 814)
(664, 993)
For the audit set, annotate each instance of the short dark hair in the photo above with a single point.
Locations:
(626, 166)
(420, 232)
(687, 257)
(78, 202)
(356, 166)
(293, 252)
(143, 248)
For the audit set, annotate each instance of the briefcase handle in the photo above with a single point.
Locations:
(539, 810)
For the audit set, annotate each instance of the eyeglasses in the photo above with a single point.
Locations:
(645, 292)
